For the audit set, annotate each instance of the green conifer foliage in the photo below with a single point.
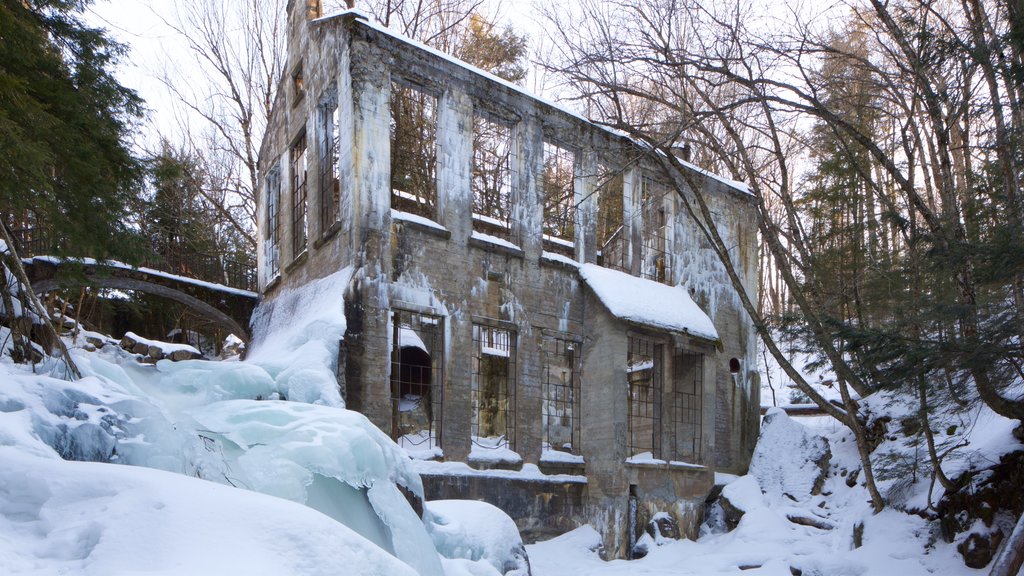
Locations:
(65, 123)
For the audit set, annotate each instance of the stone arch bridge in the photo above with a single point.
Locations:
(216, 288)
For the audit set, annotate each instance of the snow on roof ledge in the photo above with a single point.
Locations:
(647, 302)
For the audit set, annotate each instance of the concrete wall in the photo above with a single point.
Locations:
(442, 270)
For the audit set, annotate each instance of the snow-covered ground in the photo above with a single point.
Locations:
(202, 467)
(768, 542)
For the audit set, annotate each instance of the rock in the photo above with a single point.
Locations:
(141, 348)
(851, 480)
(910, 426)
(128, 343)
(179, 355)
(808, 521)
(737, 498)
(858, 534)
(978, 549)
(663, 526)
(789, 459)
(233, 346)
(95, 341)
(155, 352)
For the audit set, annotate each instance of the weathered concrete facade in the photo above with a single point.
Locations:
(476, 339)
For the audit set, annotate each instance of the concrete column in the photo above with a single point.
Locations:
(454, 163)
(633, 220)
(527, 196)
(585, 198)
(455, 208)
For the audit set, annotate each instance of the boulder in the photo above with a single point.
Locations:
(789, 459)
(979, 547)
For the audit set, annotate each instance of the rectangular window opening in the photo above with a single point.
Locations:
(687, 396)
(417, 360)
(560, 410)
(298, 173)
(272, 232)
(413, 151)
(612, 243)
(644, 380)
(298, 85)
(559, 198)
(493, 387)
(330, 166)
(491, 181)
(654, 257)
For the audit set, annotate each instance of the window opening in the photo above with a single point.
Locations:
(272, 238)
(654, 250)
(413, 151)
(417, 354)
(492, 176)
(560, 410)
(330, 166)
(687, 394)
(644, 378)
(559, 198)
(298, 171)
(493, 387)
(298, 85)
(611, 230)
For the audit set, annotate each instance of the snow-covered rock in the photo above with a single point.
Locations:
(789, 459)
(476, 538)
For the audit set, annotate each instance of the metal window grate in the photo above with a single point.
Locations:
(413, 151)
(687, 413)
(330, 177)
(491, 181)
(612, 240)
(493, 387)
(644, 378)
(417, 383)
(273, 229)
(654, 256)
(298, 172)
(560, 409)
(559, 194)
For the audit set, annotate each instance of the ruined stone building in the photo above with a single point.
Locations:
(528, 294)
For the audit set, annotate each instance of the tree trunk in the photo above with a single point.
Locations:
(13, 262)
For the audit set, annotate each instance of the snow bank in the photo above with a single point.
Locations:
(476, 533)
(647, 302)
(59, 517)
(296, 337)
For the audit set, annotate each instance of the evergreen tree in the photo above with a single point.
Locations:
(64, 126)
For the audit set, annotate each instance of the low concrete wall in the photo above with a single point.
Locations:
(542, 509)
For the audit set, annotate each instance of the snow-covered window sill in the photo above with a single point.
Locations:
(558, 260)
(494, 244)
(302, 257)
(663, 464)
(272, 283)
(419, 223)
(561, 458)
(328, 234)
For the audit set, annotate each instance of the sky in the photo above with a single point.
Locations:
(157, 51)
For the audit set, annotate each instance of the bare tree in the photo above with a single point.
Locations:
(921, 100)
(240, 49)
